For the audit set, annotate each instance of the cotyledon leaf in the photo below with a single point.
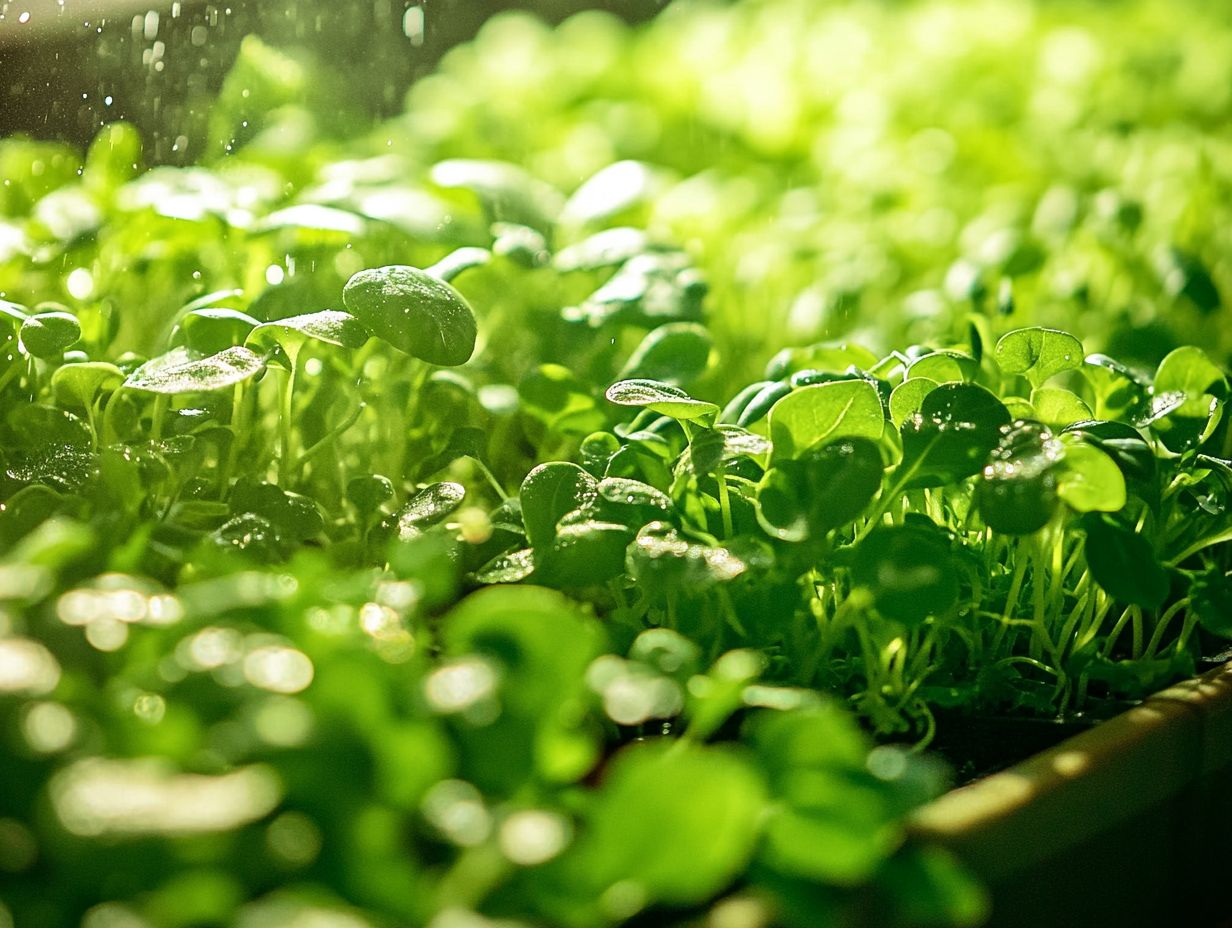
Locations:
(78, 384)
(459, 261)
(661, 397)
(952, 434)
(1088, 480)
(48, 334)
(200, 375)
(549, 492)
(427, 507)
(331, 326)
(1038, 353)
(414, 311)
(824, 412)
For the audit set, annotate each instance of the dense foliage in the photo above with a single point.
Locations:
(389, 537)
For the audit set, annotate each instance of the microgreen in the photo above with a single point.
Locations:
(428, 540)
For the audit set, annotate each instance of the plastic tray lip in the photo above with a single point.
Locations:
(1108, 774)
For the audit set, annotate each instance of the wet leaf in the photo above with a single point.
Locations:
(952, 434)
(415, 312)
(174, 375)
(826, 487)
(662, 398)
(548, 493)
(330, 326)
(1038, 353)
(1017, 492)
(428, 507)
(49, 334)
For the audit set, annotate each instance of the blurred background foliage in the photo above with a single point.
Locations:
(72, 65)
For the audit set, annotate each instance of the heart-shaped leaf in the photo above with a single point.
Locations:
(1038, 353)
(661, 398)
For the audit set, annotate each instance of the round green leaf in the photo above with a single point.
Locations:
(47, 335)
(1088, 480)
(1188, 370)
(584, 554)
(1189, 376)
(1017, 492)
(428, 507)
(678, 819)
(910, 572)
(79, 384)
(1057, 407)
(1124, 444)
(907, 398)
(944, 367)
(952, 434)
(1038, 353)
(548, 493)
(823, 412)
(825, 488)
(368, 491)
(415, 312)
